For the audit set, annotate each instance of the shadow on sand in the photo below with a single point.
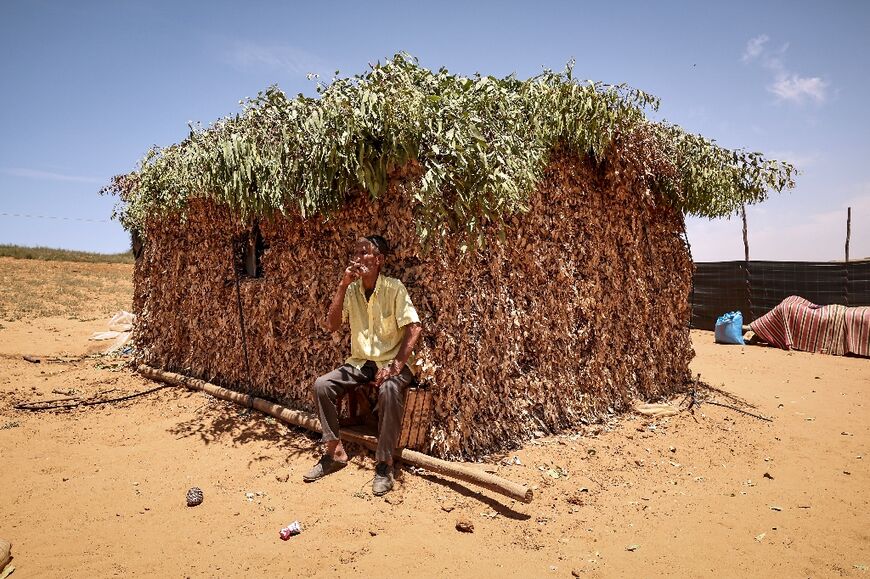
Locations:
(221, 421)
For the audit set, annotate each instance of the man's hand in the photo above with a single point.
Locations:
(351, 273)
(333, 316)
(394, 368)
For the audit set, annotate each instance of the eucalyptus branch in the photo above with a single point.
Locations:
(482, 142)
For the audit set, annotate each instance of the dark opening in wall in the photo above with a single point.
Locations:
(249, 249)
(137, 244)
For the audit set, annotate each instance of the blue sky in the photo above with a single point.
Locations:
(88, 86)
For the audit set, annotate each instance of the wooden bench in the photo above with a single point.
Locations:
(416, 417)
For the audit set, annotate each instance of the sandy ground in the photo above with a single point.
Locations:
(100, 491)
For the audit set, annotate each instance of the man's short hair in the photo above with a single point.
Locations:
(380, 243)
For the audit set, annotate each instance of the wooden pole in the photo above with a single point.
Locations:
(309, 421)
(848, 231)
(748, 282)
(846, 265)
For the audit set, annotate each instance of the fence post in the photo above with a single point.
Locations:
(846, 265)
(848, 231)
(747, 280)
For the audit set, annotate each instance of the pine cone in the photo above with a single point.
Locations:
(194, 496)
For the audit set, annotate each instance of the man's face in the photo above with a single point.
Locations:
(366, 256)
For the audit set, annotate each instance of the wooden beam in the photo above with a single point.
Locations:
(309, 421)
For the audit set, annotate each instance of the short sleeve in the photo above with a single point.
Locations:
(405, 311)
(345, 307)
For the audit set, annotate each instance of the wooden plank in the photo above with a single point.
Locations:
(425, 420)
(419, 402)
(407, 418)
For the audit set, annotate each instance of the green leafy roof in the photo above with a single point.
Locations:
(481, 143)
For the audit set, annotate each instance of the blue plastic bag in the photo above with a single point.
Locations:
(729, 329)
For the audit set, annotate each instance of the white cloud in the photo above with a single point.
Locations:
(755, 47)
(48, 175)
(250, 55)
(796, 88)
(786, 85)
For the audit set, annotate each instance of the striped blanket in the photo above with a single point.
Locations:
(799, 324)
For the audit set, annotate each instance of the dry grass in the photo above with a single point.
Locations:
(50, 254)
(32, 288)
(581, 309)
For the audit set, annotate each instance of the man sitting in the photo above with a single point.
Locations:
(384, 329)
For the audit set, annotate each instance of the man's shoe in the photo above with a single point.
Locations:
(383, 482)
(326, 465)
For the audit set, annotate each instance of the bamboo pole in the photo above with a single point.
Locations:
(309, 421)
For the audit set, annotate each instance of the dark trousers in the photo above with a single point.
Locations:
(330, 386)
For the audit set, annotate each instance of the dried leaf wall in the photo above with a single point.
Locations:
(583, 306)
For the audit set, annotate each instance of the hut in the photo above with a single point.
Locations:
(538, 225)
